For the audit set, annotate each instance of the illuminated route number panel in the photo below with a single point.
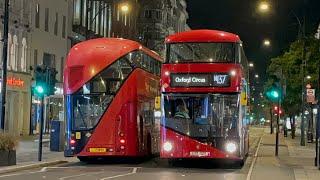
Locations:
(204, 94)
(110, 89)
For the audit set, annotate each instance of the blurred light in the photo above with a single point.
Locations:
(157, 114)
(264, 6)
(231, 147)
(72, 141)
(251, 65)
(308, 77)
(167, 73)
(125, 8)
(266, 42)
(122, 141)
(233, 73)
(256, 76)
(167, 146)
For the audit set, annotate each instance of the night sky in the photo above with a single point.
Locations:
(241, 17)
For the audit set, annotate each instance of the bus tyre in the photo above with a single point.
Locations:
(172, 162)
(240, 163)
(84, 159)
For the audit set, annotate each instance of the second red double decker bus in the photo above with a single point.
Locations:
(110, 85)
(204, 90)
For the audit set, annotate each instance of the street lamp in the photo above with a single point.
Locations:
(251, 65)
(266, 42)
(264, 6)
(124, 8)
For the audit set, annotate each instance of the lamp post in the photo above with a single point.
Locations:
(4, 64)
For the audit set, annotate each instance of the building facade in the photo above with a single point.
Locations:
(146, 21)
(19, 77)
(160, 18)
(38, 34)
(49, 44)
(103, 18)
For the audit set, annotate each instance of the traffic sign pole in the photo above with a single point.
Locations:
(41, 128)
(277, 132)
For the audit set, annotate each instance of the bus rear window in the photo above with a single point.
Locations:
(201, 52)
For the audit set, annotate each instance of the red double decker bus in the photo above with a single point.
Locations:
(110, 86)
(203, 95)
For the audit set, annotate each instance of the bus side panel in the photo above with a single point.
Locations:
(120, 117)
(147, 90)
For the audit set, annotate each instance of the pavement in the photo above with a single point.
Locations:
(27, 150)
(293, 162)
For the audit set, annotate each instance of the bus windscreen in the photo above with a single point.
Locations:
(202, 116)
(201, 52)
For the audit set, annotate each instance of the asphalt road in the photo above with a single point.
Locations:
(154, 169)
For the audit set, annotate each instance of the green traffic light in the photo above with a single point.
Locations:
(275, 94)
(39, 89)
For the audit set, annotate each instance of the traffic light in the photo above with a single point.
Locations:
(274, 94)
(40, 77)
(51, 73)
(45, 81)
(277, 110)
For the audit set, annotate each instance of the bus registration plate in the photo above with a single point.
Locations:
(97, 150)
(199, 153)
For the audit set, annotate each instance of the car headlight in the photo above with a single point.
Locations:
(231, 147)
(167, 146)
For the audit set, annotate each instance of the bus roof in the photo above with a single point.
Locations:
(203, 35)
(90, 57)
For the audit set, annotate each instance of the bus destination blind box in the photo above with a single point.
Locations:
(200, 80)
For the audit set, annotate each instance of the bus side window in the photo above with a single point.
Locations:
(136, 58)
(158, 67)
(152, 65)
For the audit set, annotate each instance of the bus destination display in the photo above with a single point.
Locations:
(200, 80)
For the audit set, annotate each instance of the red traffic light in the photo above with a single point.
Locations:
(277, 110)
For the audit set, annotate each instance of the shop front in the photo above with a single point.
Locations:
(18, 100)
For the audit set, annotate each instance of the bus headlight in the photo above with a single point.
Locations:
(167, 146)
(231, 147)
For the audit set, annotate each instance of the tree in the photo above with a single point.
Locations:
(286, 69)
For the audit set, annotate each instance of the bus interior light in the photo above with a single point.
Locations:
(167, 146)
(231, 147)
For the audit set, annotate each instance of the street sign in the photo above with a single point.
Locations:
(311, 95)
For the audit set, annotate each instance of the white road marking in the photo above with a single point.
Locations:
(134, 171)
(18, 174)
(254, 160)
(78, 175)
